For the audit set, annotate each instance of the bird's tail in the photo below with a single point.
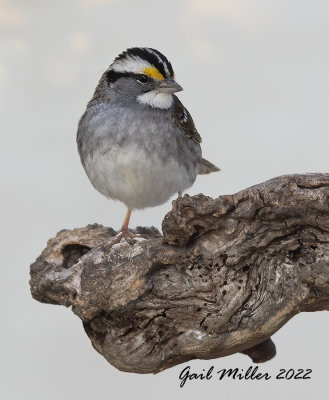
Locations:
(207, 167)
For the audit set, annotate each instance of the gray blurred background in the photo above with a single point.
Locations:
(256, 80)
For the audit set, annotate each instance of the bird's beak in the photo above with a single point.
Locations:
(169, 86)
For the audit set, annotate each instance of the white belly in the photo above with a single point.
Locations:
(135, 177)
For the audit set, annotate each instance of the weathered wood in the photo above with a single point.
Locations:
(227, 274)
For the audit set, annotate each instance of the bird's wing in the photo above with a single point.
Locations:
(185, 121)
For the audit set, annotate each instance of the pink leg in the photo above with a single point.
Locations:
(124, 232)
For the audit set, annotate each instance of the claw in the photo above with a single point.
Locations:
(125, 234)
(128, 236)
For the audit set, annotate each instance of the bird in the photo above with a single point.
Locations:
(137, 142)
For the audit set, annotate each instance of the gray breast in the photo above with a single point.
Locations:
(138, 157)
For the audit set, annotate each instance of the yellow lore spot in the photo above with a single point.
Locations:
(153, 73)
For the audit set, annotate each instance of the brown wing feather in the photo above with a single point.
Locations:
(185, 121)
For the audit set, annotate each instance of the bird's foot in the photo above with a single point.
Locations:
(127, 235)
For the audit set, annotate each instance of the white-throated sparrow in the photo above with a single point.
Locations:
(137, 142)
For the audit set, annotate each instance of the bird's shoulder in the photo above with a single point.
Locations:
(184, 120)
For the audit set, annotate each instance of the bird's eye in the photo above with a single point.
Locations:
(143, 78)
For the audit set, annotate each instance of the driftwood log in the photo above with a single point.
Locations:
(225, 276)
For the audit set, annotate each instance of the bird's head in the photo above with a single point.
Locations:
(144, 75)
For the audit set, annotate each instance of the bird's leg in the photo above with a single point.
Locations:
(124, 232)
(125, 223)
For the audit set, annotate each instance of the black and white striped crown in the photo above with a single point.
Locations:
(143, 60)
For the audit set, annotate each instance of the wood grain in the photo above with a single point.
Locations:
(226, 275)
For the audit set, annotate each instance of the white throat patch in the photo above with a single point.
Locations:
(156, 99)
